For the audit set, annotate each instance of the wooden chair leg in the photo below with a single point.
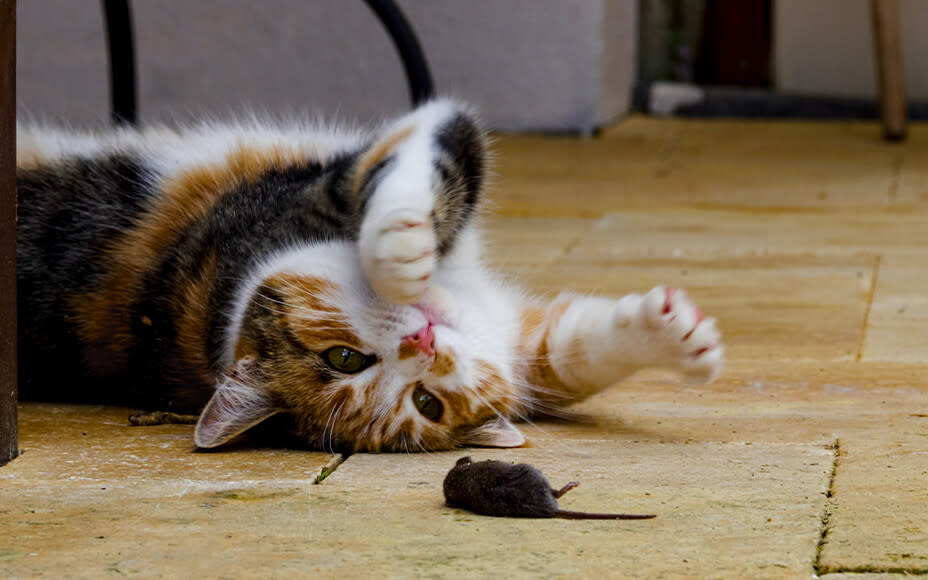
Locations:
(8, 441)
(890, 74)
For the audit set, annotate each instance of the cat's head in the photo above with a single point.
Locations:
(362, 374)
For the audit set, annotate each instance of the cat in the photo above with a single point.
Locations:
(241, 271)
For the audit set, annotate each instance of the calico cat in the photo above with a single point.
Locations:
(242, 271)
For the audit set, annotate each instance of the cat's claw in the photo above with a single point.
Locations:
(690, 341)
(398, 255)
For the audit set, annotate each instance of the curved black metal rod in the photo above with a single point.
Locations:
(121, 52)
(407, 44)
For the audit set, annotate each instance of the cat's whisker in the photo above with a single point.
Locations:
(327, 441)
(515, 411)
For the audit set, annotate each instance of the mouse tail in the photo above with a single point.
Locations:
(572, 515)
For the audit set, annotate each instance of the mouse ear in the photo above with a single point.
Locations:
(496, 433)
(236, 406)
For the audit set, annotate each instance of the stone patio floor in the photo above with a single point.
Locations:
(808, 242)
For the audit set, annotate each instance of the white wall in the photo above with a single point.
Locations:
(825, 47)
(526, 64)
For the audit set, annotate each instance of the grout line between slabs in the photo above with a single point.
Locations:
(862, 336)
(827, 510)
(831, 504)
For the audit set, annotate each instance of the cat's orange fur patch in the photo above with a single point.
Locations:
(104, 317)
(376, 154)
(459, 404)
(443, 365)
(532, 317)
(406, 350)
(537, 323)
(311, 311)
(407, 426)
(190, 322)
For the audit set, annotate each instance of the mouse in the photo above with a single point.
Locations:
(497, 488)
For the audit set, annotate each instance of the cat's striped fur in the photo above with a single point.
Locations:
(218, 268)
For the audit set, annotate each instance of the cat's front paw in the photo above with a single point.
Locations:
(683, 338)
(398, 254)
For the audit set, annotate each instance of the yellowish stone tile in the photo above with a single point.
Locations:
(827, 141)
(531, 241)
(700, 164)
(92, 497)
(899, 313)
(751, 402)
(748, 511)
(879, 511)
(912, 186)
(698, 234)
(91, 443)
(866, 576)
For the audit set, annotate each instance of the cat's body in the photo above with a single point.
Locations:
(334, 276)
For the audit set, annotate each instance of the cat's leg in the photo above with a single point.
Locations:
(422, 180)
(576, 346)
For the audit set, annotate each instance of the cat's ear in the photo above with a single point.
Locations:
(496, 433)
(438, 130)
(236, 406)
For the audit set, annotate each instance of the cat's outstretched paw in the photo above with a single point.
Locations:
(398, 254)
(684, 338)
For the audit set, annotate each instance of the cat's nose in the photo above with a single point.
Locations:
(422, 340)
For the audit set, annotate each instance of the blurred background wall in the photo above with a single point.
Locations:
(527, 64)
(543, 65)
(826, 47)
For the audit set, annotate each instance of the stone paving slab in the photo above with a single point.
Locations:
(720, 233)
(255, 513)
(97, 443)
(751, 402)
(912, 187)
(699, 164)
(899, 312)
(865, 576)
(512, 242)
(879, 510)
(724, 510)
(93, 497)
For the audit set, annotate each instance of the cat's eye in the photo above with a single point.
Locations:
(347, 360)
(428, 404)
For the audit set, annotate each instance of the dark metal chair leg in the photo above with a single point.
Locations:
(9, 447)
(407, 44)
(121, 51)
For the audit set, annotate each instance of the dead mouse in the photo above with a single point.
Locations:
(496, 488)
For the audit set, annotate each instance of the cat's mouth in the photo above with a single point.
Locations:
(437, 306)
